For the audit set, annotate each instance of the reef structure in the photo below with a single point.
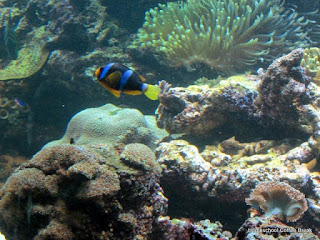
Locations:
(227, 176)
(199, 109)
(225, 35)
(280, 96)
(83, 192)
(226, 170)
(215, 182)
(284, 94)
(30, 60)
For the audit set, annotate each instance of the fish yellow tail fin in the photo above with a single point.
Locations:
(152, 92)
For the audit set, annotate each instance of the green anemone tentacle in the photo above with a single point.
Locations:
(223, 34)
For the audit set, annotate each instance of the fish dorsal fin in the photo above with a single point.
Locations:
(142, 78)
(115, 76)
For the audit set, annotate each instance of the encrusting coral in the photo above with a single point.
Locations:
(278, 199)
(225, 35)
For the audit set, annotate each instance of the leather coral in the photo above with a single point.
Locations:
(280, 199)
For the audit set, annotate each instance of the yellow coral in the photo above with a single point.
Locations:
(224, 34)
(29, 61)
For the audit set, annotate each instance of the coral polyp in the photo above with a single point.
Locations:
(224, 34)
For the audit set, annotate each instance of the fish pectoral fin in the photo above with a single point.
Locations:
(115, 76)
(113, 91)
(142, 78)
(153, 92)
(132, 92)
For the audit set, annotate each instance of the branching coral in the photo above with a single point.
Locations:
(280, 199)
(223, 34)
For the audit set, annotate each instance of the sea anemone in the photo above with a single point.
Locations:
(278, 199)
(311, 62)
(224, 34)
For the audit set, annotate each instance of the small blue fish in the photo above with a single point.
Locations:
(19, 102)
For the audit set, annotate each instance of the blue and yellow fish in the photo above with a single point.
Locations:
(117, 79)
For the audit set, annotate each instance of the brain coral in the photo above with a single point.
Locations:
(107, 124)
(224, 34)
